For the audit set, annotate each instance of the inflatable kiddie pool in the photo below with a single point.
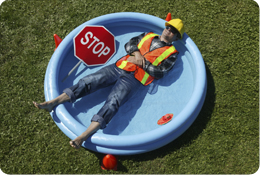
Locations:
(134, 129)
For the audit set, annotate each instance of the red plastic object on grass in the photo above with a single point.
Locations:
(57, 40)
(165, 119)
(169, 17)
(109, 162)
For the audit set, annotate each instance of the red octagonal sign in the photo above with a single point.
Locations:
(94, 45)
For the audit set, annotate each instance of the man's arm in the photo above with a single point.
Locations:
(137, 58)
(131, 46)
(132, 49)
(159, 71)
(155, 71)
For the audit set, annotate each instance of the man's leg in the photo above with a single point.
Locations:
(49, 105)
(124, 89)
(93, 82)
(90, 83)
(93, 127)
(102, 78)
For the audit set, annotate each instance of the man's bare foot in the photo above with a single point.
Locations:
(93, 127)
(45, 105)
(76, 143)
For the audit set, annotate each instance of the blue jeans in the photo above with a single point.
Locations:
(125, 85)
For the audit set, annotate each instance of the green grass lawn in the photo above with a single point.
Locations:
(223, 139)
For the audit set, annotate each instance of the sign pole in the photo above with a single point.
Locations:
(71, 71)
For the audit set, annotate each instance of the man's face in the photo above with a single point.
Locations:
(167, 34)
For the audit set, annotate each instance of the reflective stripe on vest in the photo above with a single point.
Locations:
(147, 79)
(146, 76)
(126, 65)
(123, 64)
(149, 35)
(164, 55)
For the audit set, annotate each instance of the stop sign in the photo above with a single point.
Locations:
(94, 45)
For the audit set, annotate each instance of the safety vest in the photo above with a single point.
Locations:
(155, 57)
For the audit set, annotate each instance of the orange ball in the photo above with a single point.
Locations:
(109, 162)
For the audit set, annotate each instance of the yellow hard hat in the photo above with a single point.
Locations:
(177, 24)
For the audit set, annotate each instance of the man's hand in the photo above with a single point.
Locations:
(138, 59)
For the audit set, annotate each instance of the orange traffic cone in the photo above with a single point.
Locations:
(169, 17)
(57, 40)
(109, 162)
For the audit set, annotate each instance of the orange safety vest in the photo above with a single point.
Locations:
(155, 57)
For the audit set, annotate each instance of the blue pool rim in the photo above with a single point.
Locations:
(130, 144)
